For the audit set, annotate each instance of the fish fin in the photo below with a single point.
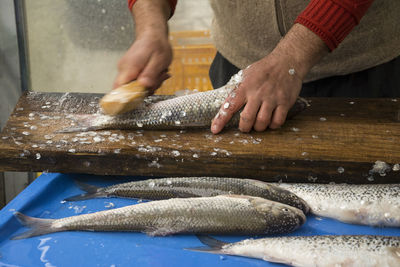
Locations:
(211, 241)
(160, 231)
(185, 92)
(213, 245)
(395, 252)
(91, 192)
(195, 124)
(180, 194)
(38, 226)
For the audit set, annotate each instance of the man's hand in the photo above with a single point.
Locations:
(147, 61)
(267, 92)
(271, 85)
(148, 58)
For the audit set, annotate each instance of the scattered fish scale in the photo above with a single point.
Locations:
(321, 251)
(193, 187)
(218, 215)
(369, 204)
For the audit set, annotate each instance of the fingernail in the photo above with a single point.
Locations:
(214, 128)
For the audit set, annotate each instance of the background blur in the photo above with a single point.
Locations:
(74, 46)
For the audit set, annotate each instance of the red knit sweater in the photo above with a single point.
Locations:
(172, 3)
(331, 20)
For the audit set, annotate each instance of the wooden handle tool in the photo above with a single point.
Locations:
(123, 99)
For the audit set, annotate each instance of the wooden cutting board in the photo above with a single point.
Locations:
(335, 139)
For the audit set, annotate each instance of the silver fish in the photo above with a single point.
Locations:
(369, 204)
(189, 111)
(218, 215)
(321, 251)
(193, 187)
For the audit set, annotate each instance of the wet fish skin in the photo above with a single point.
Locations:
(321, 251)
(368, 204)
(188, 111)
(165, 188)
(218, 215)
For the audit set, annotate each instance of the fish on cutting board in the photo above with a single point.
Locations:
(165, 188)
(368, 204)
(188, 111)
(318, 251)
(231, 214)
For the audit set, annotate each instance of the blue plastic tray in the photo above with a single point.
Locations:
(43, 198)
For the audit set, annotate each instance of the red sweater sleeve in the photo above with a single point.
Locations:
(172, 4)
(333, 20)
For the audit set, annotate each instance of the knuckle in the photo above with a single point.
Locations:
(282, 97)
(245, 117)
(229, 106)
(263, 119)
(222, 116)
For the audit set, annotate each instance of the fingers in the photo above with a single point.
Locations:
(129, 68)
(127, 72)
(147, 61)
(153, 73)
(248, 115)
(232, 104)
(163, 76)
(263, 117)
(279, 116)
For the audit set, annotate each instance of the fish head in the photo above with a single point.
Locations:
(278, 215)
(274, 192)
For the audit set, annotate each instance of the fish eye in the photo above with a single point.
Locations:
(285, 209)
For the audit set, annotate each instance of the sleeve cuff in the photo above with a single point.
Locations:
(333, 20)
(172, 4)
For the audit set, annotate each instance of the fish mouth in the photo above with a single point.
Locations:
(301, 217)
(304, 206)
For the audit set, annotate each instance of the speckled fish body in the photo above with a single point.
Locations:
(321, 251)
(193, 187)
(188, 111)
(218, 215)
(369, 204)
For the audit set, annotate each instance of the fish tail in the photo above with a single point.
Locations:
(213, 245)
(38, 226)
(84, 123)
(91, 192)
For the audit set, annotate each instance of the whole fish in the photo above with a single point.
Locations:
(320, 250)
(369, 204)
(218, 215)
(165, 188)
(188, 111)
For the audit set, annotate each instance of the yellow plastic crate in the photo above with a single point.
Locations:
(193, 55)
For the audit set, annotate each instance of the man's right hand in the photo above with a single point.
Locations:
(146, 61)
(149, 57)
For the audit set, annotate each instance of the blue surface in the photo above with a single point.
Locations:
(43, 198)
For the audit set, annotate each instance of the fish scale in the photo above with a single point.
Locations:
(370, 204)
(218, 215)
(193, 187)
(324, 250)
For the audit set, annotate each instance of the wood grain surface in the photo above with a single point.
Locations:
(335, 139)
